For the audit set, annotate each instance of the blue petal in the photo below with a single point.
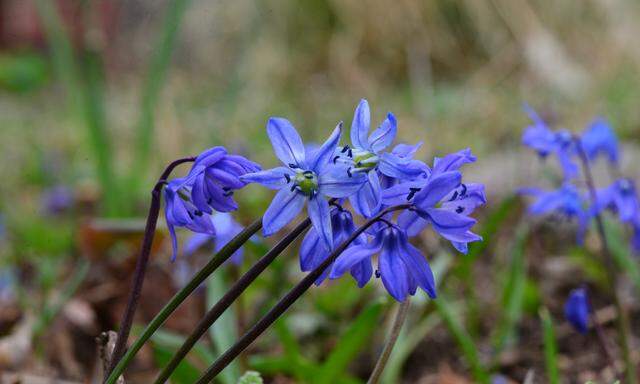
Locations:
(285, 207)
(398, 167)
(384, 135)
(411, 222)
(320, 216)
(576, 310)
(406, 150)
(335, 182)
(174, 241)
(323, 155)
(271, 178)
(352, 256)
(393, 271)
(437, 188)
(367, 201)
(419, 268)
(308, 250)
(286, 142)
(474, 197)
(219, 200)
(453, 161)
(195, 242)
(398, 193)
(209, 157)
(362, 272)
(450, 225)
(199, 195)
(224, 177)
(600, 138)
(360, 125)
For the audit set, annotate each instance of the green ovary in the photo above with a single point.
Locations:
(306, 182)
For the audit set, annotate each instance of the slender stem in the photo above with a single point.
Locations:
(602, 339)
(624, 331)
(285, 302)
(141, 263)
(396, 327)
(225, 253)
(232, 294)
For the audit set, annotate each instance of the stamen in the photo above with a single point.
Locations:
(349, 172)
(228, 193)
(293, 166)
(335, 159)
(377, 274)
(198, 212)
(345, 148)
(350, 154)
(412, 192)
(293, 187)
(287, 177)
(455, 195)
(464, 190)
(460, 209)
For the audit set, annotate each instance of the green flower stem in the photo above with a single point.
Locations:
(624, 330)
(232, 294)
(181, 295)
(396, 327)
(285, 302)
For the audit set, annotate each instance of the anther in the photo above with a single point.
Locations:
(197, 212)
(345, 148)
(455, 195)
(464, 190)
(412, 192)
(228, 193)
(287, 177)
(460, 209)
(335, 159)
(349, 172)
(293, 166)
(377, 273)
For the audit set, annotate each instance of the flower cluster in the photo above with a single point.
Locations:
(570, 199)
(365, 172)
(372, 179)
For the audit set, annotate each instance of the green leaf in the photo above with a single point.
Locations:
(621, 253)
(462, 338)
(185, 373)
(550, 347)
(350, 344)
(224, 331)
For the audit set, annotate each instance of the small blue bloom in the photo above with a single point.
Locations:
(305, 177)
(226, 229)
(312, 254)
(600, 138)
(621, 197)
(545, 141)
(576, 310)
(181, 212)
(58, 199)
(214, 176)
(401, 266)
(366, 155)
(566, 200)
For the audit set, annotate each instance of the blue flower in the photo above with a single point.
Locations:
(545, 141)
(312, 254)
(566, 200)
(366, 155)
(214, 176)
(576, 310)
(600, 138)
(621, 197)
(401, 266)
(226, 229)
(305, 177)
(441, 201)
(181, 212)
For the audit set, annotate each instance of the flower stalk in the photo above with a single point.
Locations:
(622, 322)
(232, 294)
(143, 260)
(225, 253)
(285, 302)
(396, 327)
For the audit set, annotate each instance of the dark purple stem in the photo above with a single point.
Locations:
(141, 263)
(284, 303)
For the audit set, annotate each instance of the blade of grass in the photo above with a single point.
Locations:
(622, 254)
(350, 344)
(223, 332)
(513, 291)
(174, 341)
(550, 347)
(151, 88)
(84, 98)
(462, 338)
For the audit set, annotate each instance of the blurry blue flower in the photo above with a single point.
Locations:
(621, 197)
(181, 212)
(305, 177)
(545, 141)
(566, 200)
(600, 138)
(366, 156)
(57, 199)
(214, 176)
(576, 310)
(441, 201)
(401, 266)
(226, 229)
(312, 254)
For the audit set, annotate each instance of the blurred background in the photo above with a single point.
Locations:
(97, 96)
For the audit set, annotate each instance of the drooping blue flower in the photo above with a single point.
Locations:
(312, 253)
(180, 211)
(545, 141)
(599, 138)
(566, 200)
(366, 155)
(401, 266)
(214, 176)
(226, 229)
(621, 197)
(441, 201)
(305, 177)
(576, 310)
